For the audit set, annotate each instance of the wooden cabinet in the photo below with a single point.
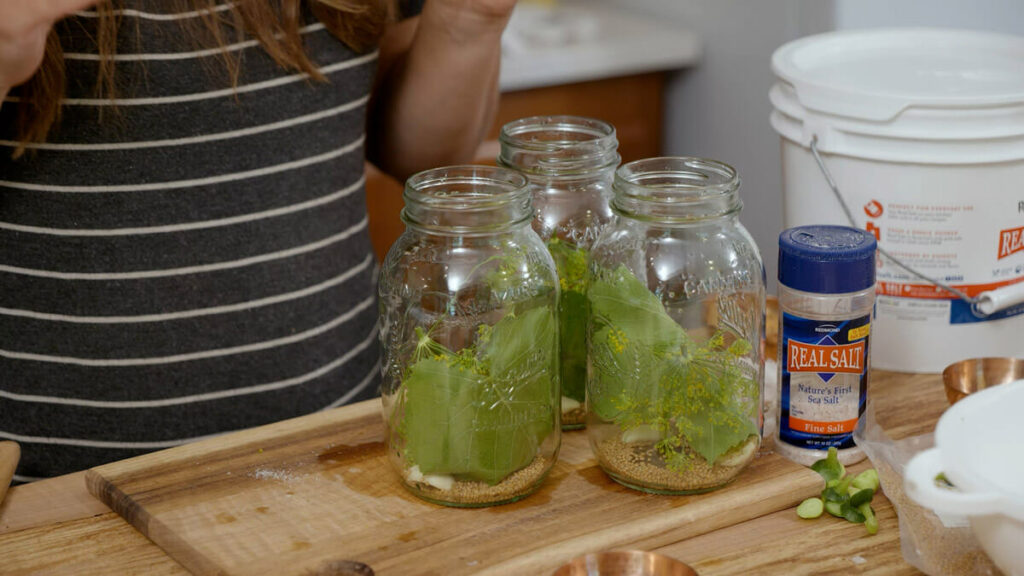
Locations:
(633, 104)
(384, 203)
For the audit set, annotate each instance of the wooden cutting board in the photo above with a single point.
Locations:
(300, 496)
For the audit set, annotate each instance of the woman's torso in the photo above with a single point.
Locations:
(192, 262)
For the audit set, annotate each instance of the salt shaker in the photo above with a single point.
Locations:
(826, 298)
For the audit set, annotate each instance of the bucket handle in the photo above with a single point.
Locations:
(982, 305)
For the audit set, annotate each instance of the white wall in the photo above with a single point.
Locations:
(720, 108)
(996, 15)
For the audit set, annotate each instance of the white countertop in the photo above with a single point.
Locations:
(579, 41)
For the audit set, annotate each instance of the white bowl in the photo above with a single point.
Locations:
(979, 446)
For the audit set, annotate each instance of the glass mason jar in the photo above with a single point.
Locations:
(570, 162)
(675, 332)
(468, 312)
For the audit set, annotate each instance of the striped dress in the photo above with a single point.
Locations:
(191, 261)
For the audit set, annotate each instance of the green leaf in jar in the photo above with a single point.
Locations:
(625, 379)
(571, 265)
(648, 372)
(711, 436)
(619, 299)
(521, 357)
(481, 414)
(572, 326)
(430, 428)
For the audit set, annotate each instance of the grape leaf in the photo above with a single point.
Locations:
(481, 414)
(625, 378)
(646, 371)
(572, 325)
(521, 357)
(433, 431)
(571, 265)
(713, 432)
(619, 299)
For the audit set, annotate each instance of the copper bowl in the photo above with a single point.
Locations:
(974, 374)
(625, 563)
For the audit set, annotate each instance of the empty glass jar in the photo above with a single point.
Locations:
(675, 329)
(468, 307)
(570, 162)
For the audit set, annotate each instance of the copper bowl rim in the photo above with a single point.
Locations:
(676, 567)
(958, 377)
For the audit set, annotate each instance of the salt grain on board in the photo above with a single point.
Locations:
(270, 474)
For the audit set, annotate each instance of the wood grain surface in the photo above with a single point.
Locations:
(297, 496)
(96, 545)
(10, 453)
(48, 502)
(56, 527)
(782, 543)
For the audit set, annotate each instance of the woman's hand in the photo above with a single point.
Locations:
(438, 85)
(483, 11)
(468, 20)
(24, 26)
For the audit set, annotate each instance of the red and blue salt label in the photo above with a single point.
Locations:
(824, 380)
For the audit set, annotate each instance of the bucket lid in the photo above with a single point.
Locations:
(918, 84)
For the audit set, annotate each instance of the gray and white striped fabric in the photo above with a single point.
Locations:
(189, 259)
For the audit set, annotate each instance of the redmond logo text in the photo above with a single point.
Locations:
(1010, 242)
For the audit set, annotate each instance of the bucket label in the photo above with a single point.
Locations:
(974, 247)
(1010, 242)
(824, 380)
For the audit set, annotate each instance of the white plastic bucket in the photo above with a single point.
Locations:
(923, 133)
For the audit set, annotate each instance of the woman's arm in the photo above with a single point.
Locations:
(437, 83)
(24, 25)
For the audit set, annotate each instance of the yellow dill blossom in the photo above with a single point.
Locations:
(617, 340)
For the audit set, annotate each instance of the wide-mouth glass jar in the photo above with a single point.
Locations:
(570, 162)
(675, 330)
(468, 312)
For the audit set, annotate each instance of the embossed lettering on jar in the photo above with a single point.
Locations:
(676, 322)
(468, 302)
(570, 162)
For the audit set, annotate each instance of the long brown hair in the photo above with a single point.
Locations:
(274, 23)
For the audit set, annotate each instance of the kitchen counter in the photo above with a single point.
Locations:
(580, 41)
(56, 526)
